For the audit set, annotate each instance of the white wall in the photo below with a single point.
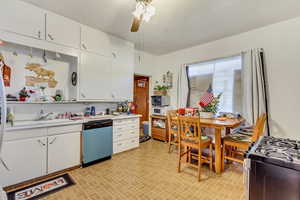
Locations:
(144, 63)
(281, 43)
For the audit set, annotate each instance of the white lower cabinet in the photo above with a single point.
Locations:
(26, 159)
(125, 134)
(56, 150)
(63, 151)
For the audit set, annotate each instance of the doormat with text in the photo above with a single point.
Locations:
(41, 189)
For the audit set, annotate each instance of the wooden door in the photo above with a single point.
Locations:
(63, 151)
(141, 96)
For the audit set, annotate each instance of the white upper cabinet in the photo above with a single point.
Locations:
(22, 18)
(95, 41)
(94, 77)
(61, 30)
(122, 69)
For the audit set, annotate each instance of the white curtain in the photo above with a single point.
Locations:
(254, 98)
(182, 87)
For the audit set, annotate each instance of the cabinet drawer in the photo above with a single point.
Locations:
(64, 129)
(23, 134)
(122, 128)
(126, 121)
(125, 145)
(123, 135)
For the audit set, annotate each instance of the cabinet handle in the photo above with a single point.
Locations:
(39, 34)
(43, 144)
(50, 36)
(4, 164)
(83, 46)
(52, 141)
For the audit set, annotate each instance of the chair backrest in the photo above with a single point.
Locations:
(259, 127)
(190, 128)
(173, 123)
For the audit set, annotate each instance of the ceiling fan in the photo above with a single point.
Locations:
(144, 11)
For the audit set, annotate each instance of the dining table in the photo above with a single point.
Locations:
(219, 125)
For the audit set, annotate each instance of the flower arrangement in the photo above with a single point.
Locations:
(160, 90)
(213, 106)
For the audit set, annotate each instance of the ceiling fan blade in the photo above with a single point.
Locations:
(135, 24)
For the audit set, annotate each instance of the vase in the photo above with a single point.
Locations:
(207, 115)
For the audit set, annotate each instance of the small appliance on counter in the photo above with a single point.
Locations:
(160, 101)
(97, 141)
(156, 110)
(272, 169)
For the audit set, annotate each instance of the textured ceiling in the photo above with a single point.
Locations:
(178, 24)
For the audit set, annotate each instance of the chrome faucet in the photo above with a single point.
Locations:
(43, 115)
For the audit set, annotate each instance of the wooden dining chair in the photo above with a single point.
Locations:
(173, 127)
(237, 143)
(190, 138)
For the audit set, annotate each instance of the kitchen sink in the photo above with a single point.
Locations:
(38, 122)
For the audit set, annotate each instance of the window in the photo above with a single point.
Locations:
(225, 77)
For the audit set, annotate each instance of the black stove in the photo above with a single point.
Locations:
(272, 167)
(279, 151)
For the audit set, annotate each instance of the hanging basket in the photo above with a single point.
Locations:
(160, 92)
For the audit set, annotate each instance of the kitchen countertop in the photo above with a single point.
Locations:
(19, 125)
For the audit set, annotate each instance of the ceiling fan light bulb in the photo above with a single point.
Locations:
(150, 10)
(146, 17)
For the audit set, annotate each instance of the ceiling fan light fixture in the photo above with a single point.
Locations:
(144, 10)
(149, 13)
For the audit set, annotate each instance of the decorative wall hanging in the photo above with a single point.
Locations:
(43, 75)
(74, 78)
(168, 79)
(6, 72)
(141, 83)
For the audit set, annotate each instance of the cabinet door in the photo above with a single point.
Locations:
(95, 77)
(22, 18)
(26, 159)
(95, 41)
(62, 30)
(63, 151)
(122, 70)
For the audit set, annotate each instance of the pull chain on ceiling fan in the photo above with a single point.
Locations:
(144, 11)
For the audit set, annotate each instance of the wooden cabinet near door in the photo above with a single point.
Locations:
(158, 132)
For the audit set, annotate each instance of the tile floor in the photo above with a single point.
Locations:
(147, 173)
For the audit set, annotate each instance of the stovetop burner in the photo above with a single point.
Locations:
(278, 148)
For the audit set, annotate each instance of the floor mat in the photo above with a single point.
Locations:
(144, 138)
(41, 189)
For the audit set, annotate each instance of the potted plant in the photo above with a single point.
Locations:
(23, 94)
(161, 90)
(211, 109)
